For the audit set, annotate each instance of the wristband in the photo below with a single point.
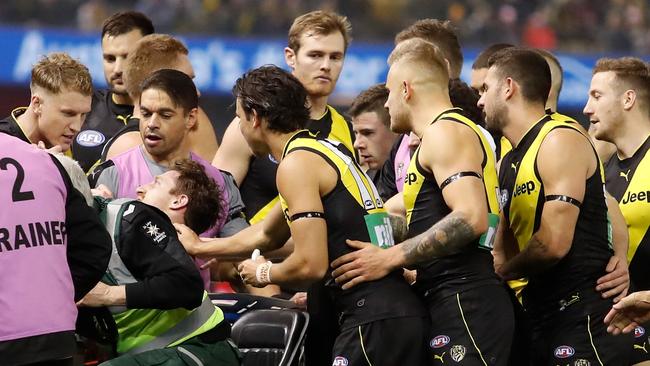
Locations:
(263, 273)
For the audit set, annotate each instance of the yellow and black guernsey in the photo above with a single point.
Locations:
(258, 189)
(353, 210)
(628, 181)
(523, 199)
(425, 206)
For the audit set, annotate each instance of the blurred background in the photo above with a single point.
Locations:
(227, 37)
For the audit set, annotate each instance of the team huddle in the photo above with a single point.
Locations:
(446, 223)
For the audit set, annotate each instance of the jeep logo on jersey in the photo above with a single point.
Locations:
(524, 188)
(410, 178)
(340, 361)
(564, 352)
(639, 332)
(636, 196)
(90, 138)
(439, 341)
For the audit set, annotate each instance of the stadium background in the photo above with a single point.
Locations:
(228, 37)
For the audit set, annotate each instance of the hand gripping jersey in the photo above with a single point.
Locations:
(136, 229)
(353, 210)
(258, 188)
(628, 181)
(523, 197)
(425, 206)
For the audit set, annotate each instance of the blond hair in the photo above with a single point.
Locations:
(631, 73)
(421, 52)
(152, 53)
(319, 22)
(58, 71)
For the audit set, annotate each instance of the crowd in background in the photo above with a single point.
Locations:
(565, 25)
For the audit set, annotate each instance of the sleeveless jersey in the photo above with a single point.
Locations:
(628, 181)
(10, 126)
(104, 120)
(258, 189)
(523, 200)
(33, 243)
(425, 206)
(353, 210)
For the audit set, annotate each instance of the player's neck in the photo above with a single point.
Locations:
(317, 106)
(277, 143)
(520, 120)
(121, 99)
(28, 123)
(426, 111)
(632, 134)
(182, 152)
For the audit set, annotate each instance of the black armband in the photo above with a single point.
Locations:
(563, 198)
(457, 176)
(307, 215)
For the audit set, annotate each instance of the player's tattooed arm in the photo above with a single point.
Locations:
(533, 260)
(400, 229)
(449, 236)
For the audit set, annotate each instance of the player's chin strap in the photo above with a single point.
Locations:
(563, 198)
(457, 176)
(307, 215)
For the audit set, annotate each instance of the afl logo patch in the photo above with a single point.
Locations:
(639, 332)
(340, 361)
(90, 138)
(439, 341)
(564, 352)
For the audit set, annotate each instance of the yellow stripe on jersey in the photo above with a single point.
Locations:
(634, 205)
(355, 181)
(527, 187)
(415, 178)
(340, 130)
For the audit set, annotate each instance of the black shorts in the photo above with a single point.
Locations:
(323, 326)
(578, 336)
(641, 346)
(474, 327)
(386, 342)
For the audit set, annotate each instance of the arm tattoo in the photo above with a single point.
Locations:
(400, 229)
(449, 236)
(534, 259)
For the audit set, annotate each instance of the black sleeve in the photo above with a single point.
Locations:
(148, 246)
(89, 245)
(386, 181)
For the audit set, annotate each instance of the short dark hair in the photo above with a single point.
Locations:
(176, 84)
(205, 204)
(528, 68)
(371, 100)
(481, 61)
(464, 97)
(273, 94)
(440, 33)
(126, 21)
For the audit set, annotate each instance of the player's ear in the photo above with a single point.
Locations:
(257, 120)
(629, 98)
(37, 103)
(179, 202)
(192, 118)
(290, 57)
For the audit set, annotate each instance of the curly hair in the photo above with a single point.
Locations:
(273, 94)
(205, 204)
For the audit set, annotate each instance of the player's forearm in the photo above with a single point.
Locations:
(449, 236)
(239, 246)
(296, 272)
(536, 258)
(620, 235)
